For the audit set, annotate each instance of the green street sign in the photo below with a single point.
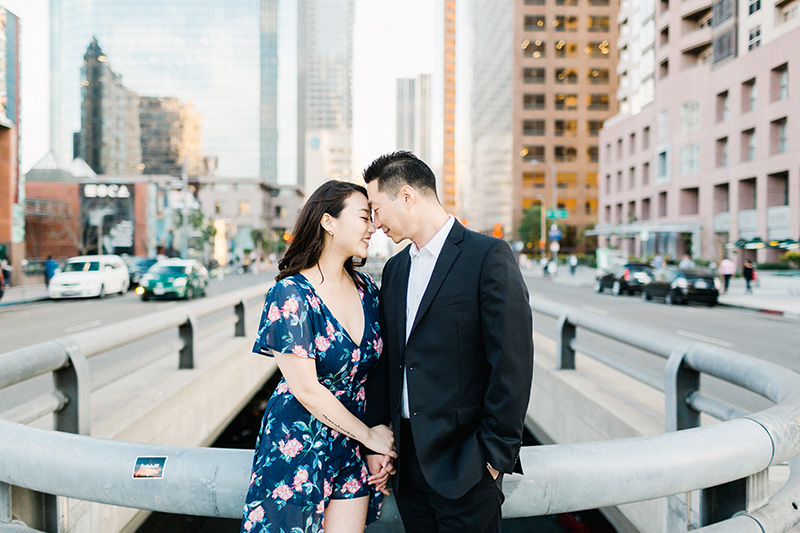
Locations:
(558, 214)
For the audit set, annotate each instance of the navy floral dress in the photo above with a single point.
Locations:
(300, 463)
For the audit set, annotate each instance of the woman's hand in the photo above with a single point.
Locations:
(380, 439)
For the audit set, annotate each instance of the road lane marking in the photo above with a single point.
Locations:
(73, 329)
(699, 337)
(596, 310)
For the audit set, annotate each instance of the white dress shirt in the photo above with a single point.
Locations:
(422, 263)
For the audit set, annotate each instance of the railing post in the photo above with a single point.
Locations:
(73, 382)
(5, 503)
(186, 333)
(565, 334)
(679, 382)
(240, 312)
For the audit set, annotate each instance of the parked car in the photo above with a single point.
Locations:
(138, 266)
(90, 275)
(623, 278)
(683, 285)
(174, 278)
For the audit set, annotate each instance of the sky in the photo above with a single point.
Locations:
(392, 39)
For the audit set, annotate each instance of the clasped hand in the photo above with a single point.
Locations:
(381, 464)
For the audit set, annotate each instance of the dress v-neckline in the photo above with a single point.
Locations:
(328, 309)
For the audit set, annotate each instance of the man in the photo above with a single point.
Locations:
(455, 376)
(50, 267)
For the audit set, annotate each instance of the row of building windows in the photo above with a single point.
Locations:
(594, 3)
(566, 23)
(561, 153)
(564, 101)
(569, 76)
(689, 200)
(537, 48)
(562, 128)
(779, 90)
(778, 143)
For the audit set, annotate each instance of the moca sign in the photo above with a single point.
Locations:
(106, 190)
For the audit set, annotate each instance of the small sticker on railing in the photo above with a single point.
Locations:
(149, 467)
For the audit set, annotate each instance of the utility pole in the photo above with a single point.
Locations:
(185, 225)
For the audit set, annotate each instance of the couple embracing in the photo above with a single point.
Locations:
(421, 384)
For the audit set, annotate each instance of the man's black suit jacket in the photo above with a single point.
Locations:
(469, 360)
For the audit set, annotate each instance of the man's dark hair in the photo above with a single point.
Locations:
(400, 168)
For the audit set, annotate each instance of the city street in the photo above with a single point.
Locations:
(745, 331)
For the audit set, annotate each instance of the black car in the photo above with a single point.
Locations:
(137, 267)
(683, 285)
(624, 278)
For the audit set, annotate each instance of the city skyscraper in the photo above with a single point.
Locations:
(171, 137)
(413, 115)
(109, 137)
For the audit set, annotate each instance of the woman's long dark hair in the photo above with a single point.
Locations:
(308, 238)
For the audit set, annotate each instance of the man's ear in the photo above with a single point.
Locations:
(408, 194)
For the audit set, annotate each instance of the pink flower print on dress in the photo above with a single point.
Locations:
(352, 486)
(378, 345)
(290, 307)
(282, 388)
(322, 343)
(329, 329)
(299, 351)
(327, 490)
(356, 357)
(321, 507)
(313, 301)
(256, 514)
(299, 478)
(361, 395)
(252, 479)
(248, 525)
(291, 448)
(283, 491)
(334, 434)
(274, 313)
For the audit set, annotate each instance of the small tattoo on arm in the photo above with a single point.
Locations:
(333, 424)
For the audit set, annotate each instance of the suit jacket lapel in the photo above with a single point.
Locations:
(447, 257)
(400, 289)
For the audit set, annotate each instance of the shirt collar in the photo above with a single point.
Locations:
(435, 245)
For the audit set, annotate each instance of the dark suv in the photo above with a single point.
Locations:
(624, 278)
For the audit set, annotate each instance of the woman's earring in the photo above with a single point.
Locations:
(330, 233)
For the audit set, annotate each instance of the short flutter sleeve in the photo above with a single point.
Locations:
(286, 324)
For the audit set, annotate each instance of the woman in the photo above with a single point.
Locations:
(320, 322)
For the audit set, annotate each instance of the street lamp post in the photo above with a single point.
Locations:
(555, 194)
(543, 225)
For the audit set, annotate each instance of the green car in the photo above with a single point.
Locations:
(174, 278)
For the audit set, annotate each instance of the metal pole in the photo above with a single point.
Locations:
(555, 194)
(185, 227)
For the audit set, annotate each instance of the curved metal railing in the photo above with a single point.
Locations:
(732, 454)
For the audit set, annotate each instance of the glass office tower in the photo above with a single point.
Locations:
(203, 52)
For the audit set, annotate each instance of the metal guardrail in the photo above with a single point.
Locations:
(728, 462)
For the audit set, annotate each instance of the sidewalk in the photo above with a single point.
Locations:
(772, 293)
(23, 294)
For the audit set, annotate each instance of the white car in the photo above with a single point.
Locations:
(90, 275)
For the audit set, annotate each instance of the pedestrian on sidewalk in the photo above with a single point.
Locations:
(749, 274)
(727, 269)
(573, 264)
(50, 268)
(545, 263)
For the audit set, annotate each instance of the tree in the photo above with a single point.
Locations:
(530, 228)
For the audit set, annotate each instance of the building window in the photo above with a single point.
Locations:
(565, 49)
(594, 127)
(723, 10)
(533, 101)
(753, 6)
(722, 152)
(535, 2)
(663, 124)
(646, 209)
(593, 154)
(632, 143)
(724, 45)
(533, 127)
(619, 180)
(533, 49)
(217, 208)
(566, 2)
(723, 106)
(790, 12)
(564, 23)
(534, 23)
(244, 208)
(754, 38)
(780, 82)
(689, 201)
(598, 24)
(597, 76)
(778, 136)
(662, 166)
(646, 138)
(689, 159)
(597, 49)
(534, 75)
(533, 179)
(566, 102)
(598, 102)
(645, 174)
(662, 204)
(663, 69)
(529, 153)
(566, 153)
(591, 180)
(632, 178)
(566, 128)
(747, 194)
(689, 116)
(778, 189)
(749, 95)
(598, 3)
(619, 149)
(566, 75)
(749, 145)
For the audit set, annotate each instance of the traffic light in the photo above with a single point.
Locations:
(287, 237)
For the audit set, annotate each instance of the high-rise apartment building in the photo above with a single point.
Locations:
(109, 137)
(565, 82)
(171, 137)
(448, 186)
(413, 116)
(709, 167)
